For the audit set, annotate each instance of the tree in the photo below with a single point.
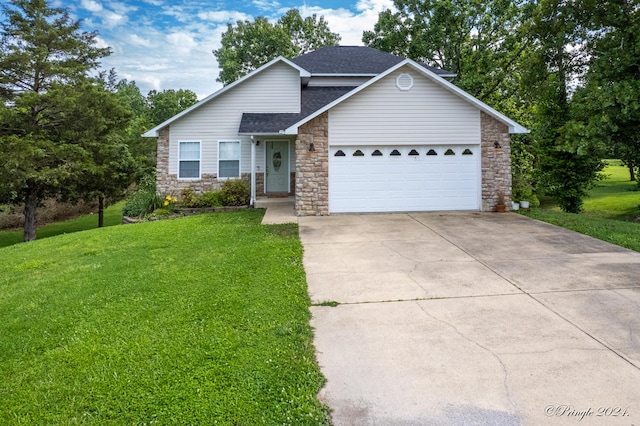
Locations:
(43, 52)
(481, 42)
(568, 161)
(249, 45)
(608, 106)
(142, 149)
(99, 126)
(164, 105)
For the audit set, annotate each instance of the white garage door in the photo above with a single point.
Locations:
(403, 178)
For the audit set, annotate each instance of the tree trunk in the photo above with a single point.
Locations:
(100, 211)
(632, 173)
(30, 220)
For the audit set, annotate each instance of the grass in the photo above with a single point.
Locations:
(112, 216)
(197, 320)
(616, 197)
(609, 211)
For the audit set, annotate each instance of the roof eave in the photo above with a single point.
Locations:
(278, 133)
(329, 74)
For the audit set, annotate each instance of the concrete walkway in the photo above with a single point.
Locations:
(279, 210)
(472, 318)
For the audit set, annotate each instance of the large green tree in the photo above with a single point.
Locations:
(608, 106)
(481, 42)
(167, 103)
(99, 127)
(248, 45)
(142, 149)
(44, 54)
(568, 161)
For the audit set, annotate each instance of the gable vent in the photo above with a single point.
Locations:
(404, 81)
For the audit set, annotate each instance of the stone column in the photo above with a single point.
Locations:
(312, 167)
(496, 162)
(163, 182)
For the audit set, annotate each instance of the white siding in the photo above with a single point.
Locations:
(276, 89)
(337, 81)
(383, 114)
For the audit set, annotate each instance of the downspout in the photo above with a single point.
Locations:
(252, 202)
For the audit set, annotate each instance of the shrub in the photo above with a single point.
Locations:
(189, 199)
(235, 192)
(161, 212)
(211, 199)
(144, 198)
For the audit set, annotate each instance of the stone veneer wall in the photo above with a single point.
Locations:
(169, 184)
(312, 168)
(496, 162)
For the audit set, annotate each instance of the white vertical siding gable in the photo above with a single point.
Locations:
(385, 114)
(276, 89)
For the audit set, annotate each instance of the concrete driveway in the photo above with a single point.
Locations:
(472, 318)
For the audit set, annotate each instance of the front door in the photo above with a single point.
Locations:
(277, 166)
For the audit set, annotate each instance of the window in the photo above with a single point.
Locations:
(467, 152)
(189, 160)
(339, 153)
(395, 153)
(413, 152)
(449, 152)
(376, 153)
(358, 153)
(228, 159)
(432, 152)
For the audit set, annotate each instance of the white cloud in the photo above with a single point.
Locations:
(348, 24)
(139, 41)
(112, 19)
(92, 6)
(266, 4)
(224, 16)
(182, 42)
(101, 43)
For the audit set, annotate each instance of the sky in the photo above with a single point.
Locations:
(167, 44)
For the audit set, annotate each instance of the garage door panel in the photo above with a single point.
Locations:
(403, 182)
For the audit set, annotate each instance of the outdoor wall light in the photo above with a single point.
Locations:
(496, 145)
(257, 143)
(312, 147)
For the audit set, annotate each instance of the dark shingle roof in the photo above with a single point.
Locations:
(312, 99)
(351, 60)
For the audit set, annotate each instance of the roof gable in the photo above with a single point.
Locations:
(514, 127)
(303, 74)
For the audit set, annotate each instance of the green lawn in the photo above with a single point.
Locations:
(112, 216)
(197, 320)
(616, 197)
(609, 211)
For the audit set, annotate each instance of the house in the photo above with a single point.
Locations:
(343, 129)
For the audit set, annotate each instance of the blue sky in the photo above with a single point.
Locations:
(167, 44)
